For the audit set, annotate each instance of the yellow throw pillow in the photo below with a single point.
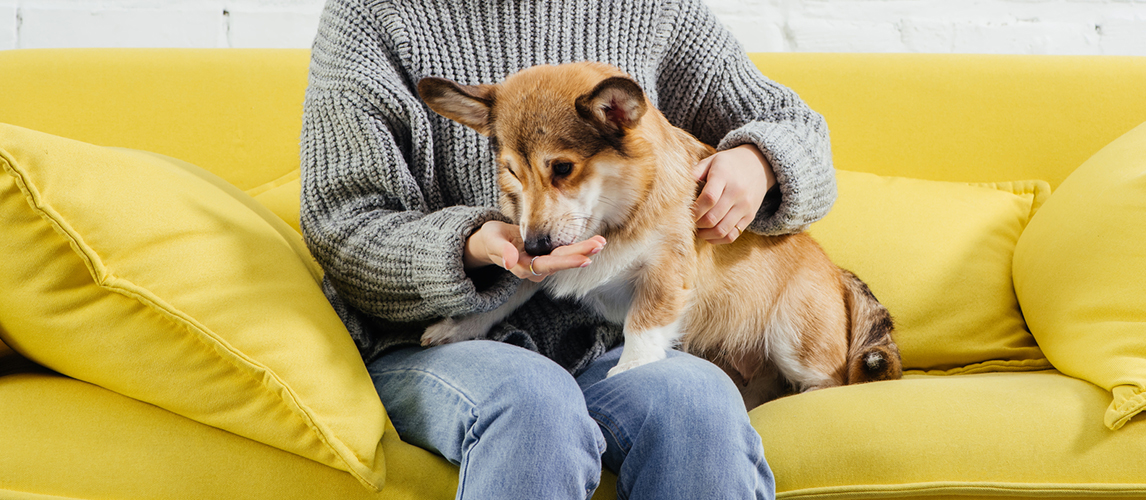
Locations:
(281, 197)
(271, 212)
(127, 271)
(1080, 273)
(938, 255)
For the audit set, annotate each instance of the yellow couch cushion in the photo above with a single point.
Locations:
(1017, 435)
(87, 442)
(938, 255)
(132, 273)
(1080, 272)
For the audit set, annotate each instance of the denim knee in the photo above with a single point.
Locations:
(682, 400)
(536, 413)
(696, 396)
(495, 410)
(677, 428)
(532, 386)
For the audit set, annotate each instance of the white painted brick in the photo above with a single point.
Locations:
(817, 35)
(1123, 37)
(96, 5)
(8, 25)
(752, 8)
(928, 35)
(276, 5)
(759, 24)
(251, 29)
(1026, 38)
(993, 26)
(58, 27)
(757, 35)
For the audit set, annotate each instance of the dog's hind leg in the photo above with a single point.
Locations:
(476, 325)
(808, 345)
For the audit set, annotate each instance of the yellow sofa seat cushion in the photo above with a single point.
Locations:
(1080, 272)
(938, 255)
(1016, 435)
(87, 442)
(135, 274)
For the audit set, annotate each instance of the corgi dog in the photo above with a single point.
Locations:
(582, 152)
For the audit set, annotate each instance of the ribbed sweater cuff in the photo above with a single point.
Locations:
(805, 177)
(437, 261)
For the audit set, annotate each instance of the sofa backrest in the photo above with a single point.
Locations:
(975, 118)
(236, 112)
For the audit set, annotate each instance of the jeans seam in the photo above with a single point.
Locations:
(613, 428)
(435, 376)
(463, 469)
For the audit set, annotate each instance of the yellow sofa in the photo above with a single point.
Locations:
(164, 337)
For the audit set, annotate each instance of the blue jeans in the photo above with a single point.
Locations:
(520, 427)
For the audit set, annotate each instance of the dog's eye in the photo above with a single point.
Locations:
(505, 166)
(562, 168)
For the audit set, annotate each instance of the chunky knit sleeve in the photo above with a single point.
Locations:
(708, 86)
(371, 210)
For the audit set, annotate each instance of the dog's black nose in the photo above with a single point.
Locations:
(541, 245)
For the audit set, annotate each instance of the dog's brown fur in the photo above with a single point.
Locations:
(583, 152)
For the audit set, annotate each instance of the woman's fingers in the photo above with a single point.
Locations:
(576, 255)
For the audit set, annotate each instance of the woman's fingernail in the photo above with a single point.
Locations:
(586, 264)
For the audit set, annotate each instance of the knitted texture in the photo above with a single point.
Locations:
(390, 190)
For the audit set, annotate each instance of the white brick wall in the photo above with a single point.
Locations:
(968, 26)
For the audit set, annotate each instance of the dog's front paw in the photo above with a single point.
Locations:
(443, 332)
(625, 365)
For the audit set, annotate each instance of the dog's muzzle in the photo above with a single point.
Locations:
(538, 246)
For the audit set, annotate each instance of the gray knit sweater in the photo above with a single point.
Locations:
(390, 190)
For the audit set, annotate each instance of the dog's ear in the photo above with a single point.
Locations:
(614, 105)
(468, 105)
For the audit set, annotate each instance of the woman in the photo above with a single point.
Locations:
(398, 206)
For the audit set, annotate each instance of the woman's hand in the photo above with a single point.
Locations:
(736, 181)
(500, 244)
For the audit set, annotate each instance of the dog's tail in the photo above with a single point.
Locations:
(872, 354)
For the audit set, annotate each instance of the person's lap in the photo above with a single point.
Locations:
(519, 426)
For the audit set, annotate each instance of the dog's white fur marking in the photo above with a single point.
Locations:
(476, 325)
(782, 344)
(646, 347)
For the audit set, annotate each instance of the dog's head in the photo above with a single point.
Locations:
(566, 144)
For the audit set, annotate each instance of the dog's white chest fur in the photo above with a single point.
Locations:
(606, 286)
(609, 286)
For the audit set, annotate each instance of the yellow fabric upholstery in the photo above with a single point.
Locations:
(126, 271)
(236, 113)
(237, 117)
(966, 118)
(938, 255)
(263, 205)
(281, 197)
(1080, 270)
(1024, 435)
(87, 442)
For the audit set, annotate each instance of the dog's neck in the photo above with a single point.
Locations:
(670, 155)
